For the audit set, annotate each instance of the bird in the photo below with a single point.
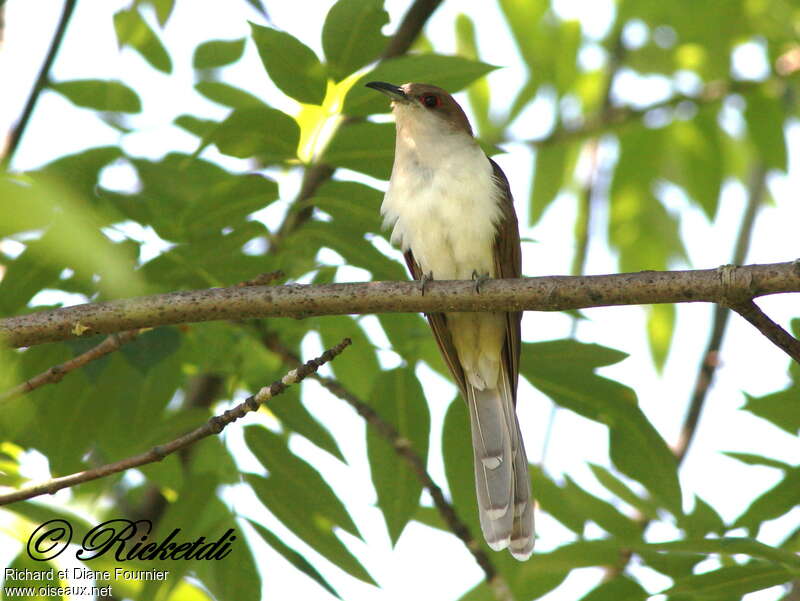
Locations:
(452, 214)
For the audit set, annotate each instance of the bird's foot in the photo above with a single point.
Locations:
(426, 277)
(480, 280)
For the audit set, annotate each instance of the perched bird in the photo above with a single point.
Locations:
(453, 217)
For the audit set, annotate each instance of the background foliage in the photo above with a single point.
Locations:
(617, 159)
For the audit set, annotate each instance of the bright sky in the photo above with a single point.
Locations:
(426, 564)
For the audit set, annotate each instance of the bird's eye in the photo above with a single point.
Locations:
(430, 101)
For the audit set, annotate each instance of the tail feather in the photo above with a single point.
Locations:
(501, 470)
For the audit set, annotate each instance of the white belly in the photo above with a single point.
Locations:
(447, 215)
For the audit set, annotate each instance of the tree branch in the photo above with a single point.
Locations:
(55, 373)
(410, 27)
(215, 425)
(780, 337)
(552, 293)
(41, 81)
(613, 117)
(404, 450)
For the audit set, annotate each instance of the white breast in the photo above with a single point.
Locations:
(443, 202)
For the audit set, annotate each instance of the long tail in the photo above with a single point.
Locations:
(501, 470)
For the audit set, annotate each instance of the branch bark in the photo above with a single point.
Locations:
(552, 293)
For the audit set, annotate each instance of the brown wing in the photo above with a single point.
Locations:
(441, 332)
(508, 264)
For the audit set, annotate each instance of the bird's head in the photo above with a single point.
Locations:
(423, 106)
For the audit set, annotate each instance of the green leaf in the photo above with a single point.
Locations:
(732, 581)
(660, 327)
(132, 30)
(217, 53)
(151, 348)
(411, 336)
(555, 500)
(729, 546)
(99, 95)
(163, 9)
(571, 352)
(623, 491)
(774, 503)
(522, 17)
(620, 588)
(293, 557)
(458, 466)
(351, 36)
(259, 7)
(780, 408)
(398, 398)
(291, 65)
(702, 520)
(452, 73)
(289, 471)
(358, 367)
(552, 167)
(353, 247)
(258, 131)
(365, 147)
(228, 95)
(299, 510)
(646, 236)
(351, 203)
(636, 448)
(80, 172)
(478, 93)
(602, 513)
(700, 158)
(194, 125)
(293, 414)
(25, 276)
(765, 120)
(752, 459)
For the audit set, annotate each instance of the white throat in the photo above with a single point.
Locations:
(443, 200)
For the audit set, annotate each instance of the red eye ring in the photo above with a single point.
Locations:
(430, 100)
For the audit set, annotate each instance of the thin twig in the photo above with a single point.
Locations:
(55, 373)
(215, 425)
(780, 337)
(410, 27)
(551, 293)
(41, 81)
(403, 448)
(615, 117)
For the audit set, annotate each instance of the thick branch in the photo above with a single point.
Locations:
(215, 425)
(552, 293)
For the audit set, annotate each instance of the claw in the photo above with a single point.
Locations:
(426, 277)
(479, 280)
